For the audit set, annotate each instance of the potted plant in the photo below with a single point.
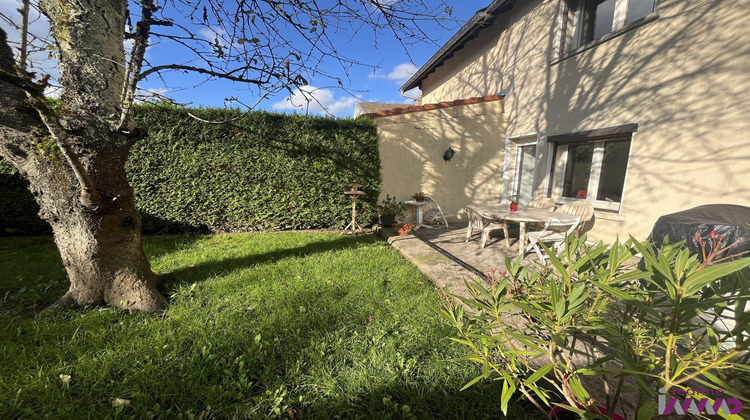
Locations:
(404, 229)
(389, 210)
(418, 196)
(528, 327)
(514, 199)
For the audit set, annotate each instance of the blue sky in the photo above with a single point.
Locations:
(394, 65)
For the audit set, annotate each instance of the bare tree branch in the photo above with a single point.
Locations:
(132, 75)
(224, 75)
(22, 50)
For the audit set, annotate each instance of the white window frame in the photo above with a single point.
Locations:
(519, 140)
(560, 164)
(517, 173)
(618, 21)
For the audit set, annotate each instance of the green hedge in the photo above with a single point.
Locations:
(260, 171)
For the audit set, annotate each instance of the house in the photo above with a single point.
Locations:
(362, 108)
(641, 107)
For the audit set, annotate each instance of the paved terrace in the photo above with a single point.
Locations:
(443, 255)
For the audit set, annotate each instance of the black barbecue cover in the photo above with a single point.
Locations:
(723, 219)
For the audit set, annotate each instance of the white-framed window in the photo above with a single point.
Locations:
(525, 169)
(586, 21)
(592, 166)
(519, 167)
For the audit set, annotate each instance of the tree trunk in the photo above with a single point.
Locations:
(80, 182)
(102, 252)
(101, 249)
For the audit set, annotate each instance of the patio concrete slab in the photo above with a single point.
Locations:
(484, 260)
(443, 255)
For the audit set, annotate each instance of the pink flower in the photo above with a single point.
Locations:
(713, 234)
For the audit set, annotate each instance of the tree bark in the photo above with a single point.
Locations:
(74, 160)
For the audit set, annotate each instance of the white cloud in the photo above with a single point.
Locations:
(400, 74)
(145, 95)
(316, 100)
(209, 34)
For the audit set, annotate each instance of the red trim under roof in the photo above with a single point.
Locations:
(429, 107)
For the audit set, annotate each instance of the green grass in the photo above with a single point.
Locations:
(339, 327)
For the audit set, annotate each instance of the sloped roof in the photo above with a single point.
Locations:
(482, 19)
(370, 107)
(416, 108)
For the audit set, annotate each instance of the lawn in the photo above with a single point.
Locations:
(338, 327)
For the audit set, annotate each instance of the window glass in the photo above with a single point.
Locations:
(526, 173)
(614, 166)
(598, 18)
(578, 170)
(638, 9)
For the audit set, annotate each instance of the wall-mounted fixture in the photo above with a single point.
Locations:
(448, 155)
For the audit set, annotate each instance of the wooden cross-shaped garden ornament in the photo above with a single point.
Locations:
(354, 193)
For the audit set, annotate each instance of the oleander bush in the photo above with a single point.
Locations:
(671, 322)
(256, 171)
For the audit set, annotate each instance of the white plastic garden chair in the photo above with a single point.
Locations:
(546, 204)
(579, 208)
(435, 213)
(555, 230)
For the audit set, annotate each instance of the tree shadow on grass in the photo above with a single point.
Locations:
(205, 270)
(155, 225)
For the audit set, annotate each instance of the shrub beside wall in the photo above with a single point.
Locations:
(260, 171)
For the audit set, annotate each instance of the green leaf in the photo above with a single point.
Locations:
(646, 412)
(539, 393)
(472, 382)
(505, 397)
(715, 380)
(701, 278)
(486, 369)
(560, 308)
(712, 339)
(577, 388)
(539, 374)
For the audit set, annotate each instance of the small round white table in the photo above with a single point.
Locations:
(420, 214)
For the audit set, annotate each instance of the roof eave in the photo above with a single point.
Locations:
(480, 20)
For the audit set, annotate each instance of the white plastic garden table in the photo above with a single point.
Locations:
(483, 215)
(420, 214)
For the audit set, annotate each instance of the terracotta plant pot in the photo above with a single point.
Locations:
(404, 229)
(513, 206)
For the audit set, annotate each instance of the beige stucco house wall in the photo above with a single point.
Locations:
(682, 75)
(411, 152)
